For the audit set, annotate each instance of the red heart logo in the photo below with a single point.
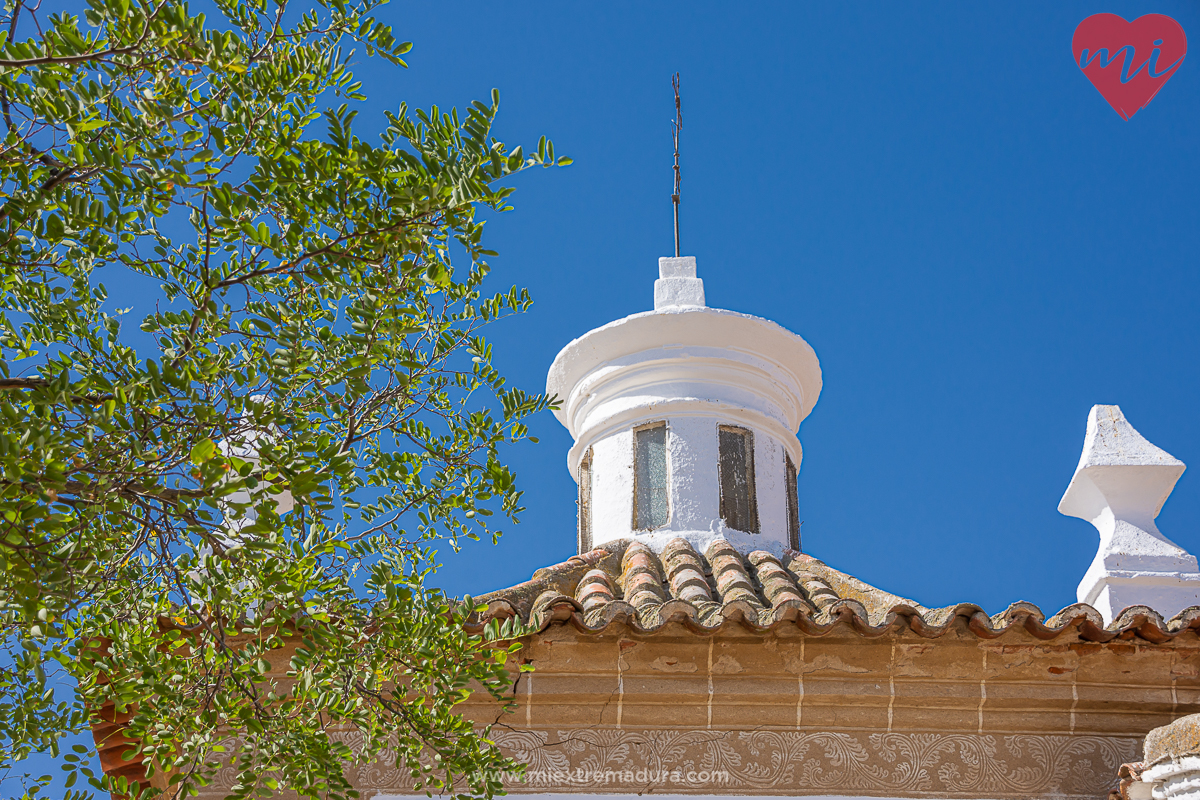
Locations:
(1129, 61)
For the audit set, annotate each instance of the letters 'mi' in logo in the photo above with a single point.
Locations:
(1129, 61)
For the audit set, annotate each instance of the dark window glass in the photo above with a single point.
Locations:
(736, 459)
(585, 502)
(793, 506)
(650, 477)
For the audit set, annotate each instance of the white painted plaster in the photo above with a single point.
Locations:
(770, 478)
(677, 267)
(230, 535)
(694, 496)
(248, 450)
(695, 368)
(1173, 778)
(677, 284)
(612, 486)
(692, 463)
(1120, 486)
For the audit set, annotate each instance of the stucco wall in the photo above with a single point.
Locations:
(695, 505)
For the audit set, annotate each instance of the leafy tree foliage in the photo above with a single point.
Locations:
(215, 519)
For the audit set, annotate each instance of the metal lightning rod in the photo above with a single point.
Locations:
(677, 126)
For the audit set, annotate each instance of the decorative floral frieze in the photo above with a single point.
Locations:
(957, 765)
(800, 762)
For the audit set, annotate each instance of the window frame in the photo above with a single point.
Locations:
(637, 524)
(586, 482)
(791, 476)
(751, 489)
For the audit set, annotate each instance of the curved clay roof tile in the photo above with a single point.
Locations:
(778, 586)
(762, 593)
(734, 583)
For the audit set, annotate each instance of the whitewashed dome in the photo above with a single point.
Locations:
(684, 420)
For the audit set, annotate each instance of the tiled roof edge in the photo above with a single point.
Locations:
(561, 578)
(1077, 618)
(819, 598)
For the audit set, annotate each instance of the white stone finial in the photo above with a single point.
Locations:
(1120, 486)
(677, 284)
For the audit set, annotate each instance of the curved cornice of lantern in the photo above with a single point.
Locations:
(685, 361)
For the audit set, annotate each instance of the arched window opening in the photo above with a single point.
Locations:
(650, 508)
(736, 460)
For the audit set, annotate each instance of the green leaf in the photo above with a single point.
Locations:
(259, 462)
(203, 451)
(54, 227)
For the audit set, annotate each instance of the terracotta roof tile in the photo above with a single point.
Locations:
(1127, 775)
(625, 581)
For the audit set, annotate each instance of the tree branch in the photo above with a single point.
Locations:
(19, 63)
(19, 384)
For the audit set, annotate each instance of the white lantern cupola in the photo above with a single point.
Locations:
(684, 420)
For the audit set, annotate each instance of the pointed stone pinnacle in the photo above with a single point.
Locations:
(1120, 486)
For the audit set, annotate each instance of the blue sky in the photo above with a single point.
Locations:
(978, 248)
(933, 195)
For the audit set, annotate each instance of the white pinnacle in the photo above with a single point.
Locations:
(677, 284)
(1120, 486)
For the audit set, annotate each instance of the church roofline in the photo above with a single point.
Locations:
(624, 583)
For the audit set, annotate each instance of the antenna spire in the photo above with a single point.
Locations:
(676, 127)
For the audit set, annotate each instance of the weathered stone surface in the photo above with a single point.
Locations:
(899, 715)
(1176, 740)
